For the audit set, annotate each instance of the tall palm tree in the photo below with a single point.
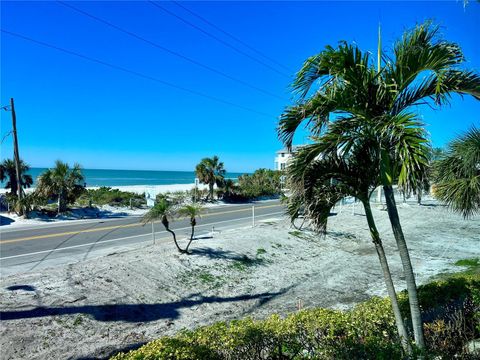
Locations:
(8, 170)
(319, 178)
(211, 171)
(191, 211)
(61, 183)
(362, 101)
(163, 210)
(458, 174)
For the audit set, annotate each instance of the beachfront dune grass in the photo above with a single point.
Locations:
(450, 306)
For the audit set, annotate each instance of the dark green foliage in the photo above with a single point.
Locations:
(365, 332)
(62, 184)
(262, 183)
(472, 263)
(108, 196)
(8, 171)
(457, 174)
(211, 171)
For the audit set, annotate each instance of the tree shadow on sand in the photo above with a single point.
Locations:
(135, 312)
(216, 254)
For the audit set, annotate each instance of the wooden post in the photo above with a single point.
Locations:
(16, 155)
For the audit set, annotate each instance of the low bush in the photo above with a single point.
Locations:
(366, 332)
(108, 196)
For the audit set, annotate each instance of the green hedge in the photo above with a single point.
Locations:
(367, 331)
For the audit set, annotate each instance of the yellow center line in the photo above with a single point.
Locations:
(119, 226)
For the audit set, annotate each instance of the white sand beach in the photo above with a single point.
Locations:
(91, 308)
(140, 189)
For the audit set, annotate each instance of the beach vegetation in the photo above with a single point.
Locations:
(8, 173)
(345, 97)
(475, 262)
(263, 183)
(211, 171)
(191, 211)
(457, 174)
(367, 331)
(113, 197)
(61, 183)
(261, 251)
(163, 210)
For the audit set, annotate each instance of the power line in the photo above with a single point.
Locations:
(218, 39)
(136, 73)
(230, 35)
(172, 52)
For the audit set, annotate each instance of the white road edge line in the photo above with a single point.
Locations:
(131, 237)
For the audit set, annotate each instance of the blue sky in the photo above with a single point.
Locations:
(71, 109)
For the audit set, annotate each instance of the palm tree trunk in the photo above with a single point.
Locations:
(210, 185)
(175, 240)
(191, 238)
(59, 204)
(407, 267)
(402, 331)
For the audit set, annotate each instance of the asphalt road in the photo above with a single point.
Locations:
(27, 249)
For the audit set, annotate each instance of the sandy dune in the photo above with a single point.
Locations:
(91, 308)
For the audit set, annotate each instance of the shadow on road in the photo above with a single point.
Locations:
(5, 220)
(134, 312)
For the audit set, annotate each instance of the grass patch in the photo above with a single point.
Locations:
(78, 320)
(296, 233)
(468, 262)
(207, 278)
(245, 263)
(202, 275)
(301, 235)
(261, 251)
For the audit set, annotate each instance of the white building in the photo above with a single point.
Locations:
(283, 156)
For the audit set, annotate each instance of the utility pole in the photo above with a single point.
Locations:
(16, 155)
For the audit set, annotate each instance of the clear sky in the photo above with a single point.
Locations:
(73, 109)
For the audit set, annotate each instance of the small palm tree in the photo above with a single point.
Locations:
(319, 179)
(211, 171)
(458, 174)
(163, 210)
(8, 170)
(61, 183)
(191, 211)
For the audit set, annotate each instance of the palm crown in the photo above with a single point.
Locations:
(458, 174)
(62, 182)
(355, 98)
(211, 171)
(8, 170)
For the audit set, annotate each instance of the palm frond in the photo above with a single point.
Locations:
(458, 174)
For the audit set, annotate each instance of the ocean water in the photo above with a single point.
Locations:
(100, 177)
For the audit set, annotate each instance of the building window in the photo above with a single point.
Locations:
(282, 166)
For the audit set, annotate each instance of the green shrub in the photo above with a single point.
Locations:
(263, 182)
(367, 331)
(108, 196)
